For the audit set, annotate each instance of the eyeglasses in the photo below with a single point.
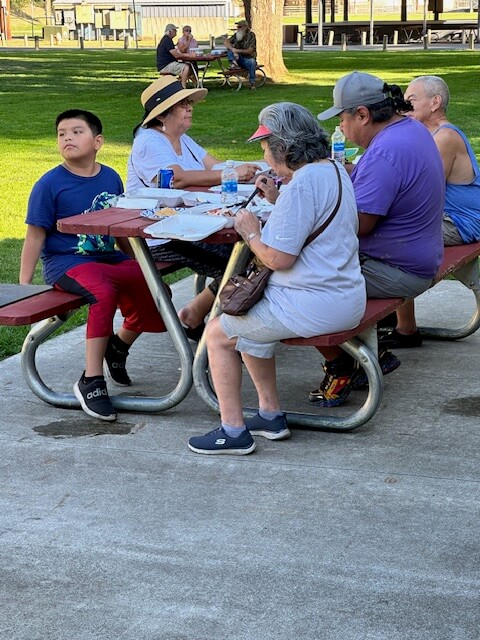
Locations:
(185, 103)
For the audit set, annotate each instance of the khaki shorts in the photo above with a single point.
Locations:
(385, 281)
(176, 68)
(257, 332)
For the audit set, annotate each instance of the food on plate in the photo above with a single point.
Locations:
(166, 211)
(221, 211)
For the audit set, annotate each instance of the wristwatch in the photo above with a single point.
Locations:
(251, 236)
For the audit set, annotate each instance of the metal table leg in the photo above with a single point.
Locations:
(40, 332)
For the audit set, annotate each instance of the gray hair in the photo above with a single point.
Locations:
(297, 138)
(435, 86)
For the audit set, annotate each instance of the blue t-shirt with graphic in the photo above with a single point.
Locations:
(60, 194)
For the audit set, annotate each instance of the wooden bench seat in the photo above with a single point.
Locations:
(235, 78)
(52, 303)
(378, 308)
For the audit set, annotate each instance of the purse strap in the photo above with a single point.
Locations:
(323, 226)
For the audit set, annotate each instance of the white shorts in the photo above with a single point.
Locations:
(258, 331)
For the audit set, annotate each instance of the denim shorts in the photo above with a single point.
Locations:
(258, 331)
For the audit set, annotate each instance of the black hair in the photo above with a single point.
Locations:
(384, 110)
(154, 122)
(90, 118)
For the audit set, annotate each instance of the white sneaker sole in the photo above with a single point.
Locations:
(272, 435)
(231, 452)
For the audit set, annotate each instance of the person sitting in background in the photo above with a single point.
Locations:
(161, 142)
(168, 56)
(314, 289)
(429, 97)
(242, 50)
(186, 42)
(89, 266)
(399, 190)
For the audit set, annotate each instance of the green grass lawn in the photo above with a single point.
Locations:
(36, 86)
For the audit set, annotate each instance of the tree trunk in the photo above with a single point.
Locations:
(267, 24)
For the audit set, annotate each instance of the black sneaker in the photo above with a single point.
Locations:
(275, 429)
(395, 340)
(217, 441)
(388, 362)
(94, 399)
(115, 364)
(337, 383)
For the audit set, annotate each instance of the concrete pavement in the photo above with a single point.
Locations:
(119, 532)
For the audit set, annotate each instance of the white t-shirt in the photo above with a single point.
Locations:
(324, 291)
(152, 151)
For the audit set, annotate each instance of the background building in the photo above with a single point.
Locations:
(92, 18)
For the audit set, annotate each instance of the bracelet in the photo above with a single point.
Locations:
(251, 236)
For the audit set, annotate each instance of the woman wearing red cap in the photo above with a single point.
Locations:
(316, 286)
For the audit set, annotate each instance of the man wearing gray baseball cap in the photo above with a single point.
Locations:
(399, 191)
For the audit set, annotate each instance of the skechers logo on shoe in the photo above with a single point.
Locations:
(96, 394)
(220, 441)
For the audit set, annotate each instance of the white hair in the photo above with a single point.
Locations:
(435, 86)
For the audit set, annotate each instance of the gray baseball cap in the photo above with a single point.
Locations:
(353, 90)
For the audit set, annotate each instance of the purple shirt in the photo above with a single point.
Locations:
(400, 178)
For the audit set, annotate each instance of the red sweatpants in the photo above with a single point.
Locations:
(108, 286)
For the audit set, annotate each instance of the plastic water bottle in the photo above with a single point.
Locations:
(338, 145)
(229, 183)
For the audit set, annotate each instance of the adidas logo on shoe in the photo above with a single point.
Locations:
(97, 393)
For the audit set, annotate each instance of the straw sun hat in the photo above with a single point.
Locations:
(165, 93)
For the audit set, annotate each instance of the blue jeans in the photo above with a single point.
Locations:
(250, 64)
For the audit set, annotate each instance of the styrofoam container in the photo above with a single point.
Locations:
(136, 203)
(164, 197)
(193, 198)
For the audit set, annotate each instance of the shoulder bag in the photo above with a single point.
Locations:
(241, 292)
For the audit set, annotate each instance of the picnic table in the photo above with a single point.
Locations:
(361, 342)
(201, 64)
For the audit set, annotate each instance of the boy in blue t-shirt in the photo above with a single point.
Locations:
(90, 266)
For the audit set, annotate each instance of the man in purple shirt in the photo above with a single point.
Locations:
(399, 189)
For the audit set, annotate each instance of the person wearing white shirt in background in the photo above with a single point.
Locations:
(187, 42)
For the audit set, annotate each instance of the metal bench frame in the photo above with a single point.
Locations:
(362, 346)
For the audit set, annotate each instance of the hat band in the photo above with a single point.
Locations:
(162, 95)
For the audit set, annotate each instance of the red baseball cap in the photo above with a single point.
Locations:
(261, 133)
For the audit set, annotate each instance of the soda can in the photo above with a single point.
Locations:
(165, 179)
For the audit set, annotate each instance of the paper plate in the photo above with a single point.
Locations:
(186, 227)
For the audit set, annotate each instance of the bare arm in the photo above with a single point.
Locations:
(245, 224)
(32, 247)
(457, 165)
(366, 223)
(208, 177)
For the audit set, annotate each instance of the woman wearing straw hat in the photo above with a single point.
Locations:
(161, 142)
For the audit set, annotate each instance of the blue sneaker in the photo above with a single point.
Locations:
(217, 441)
(275, 429)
